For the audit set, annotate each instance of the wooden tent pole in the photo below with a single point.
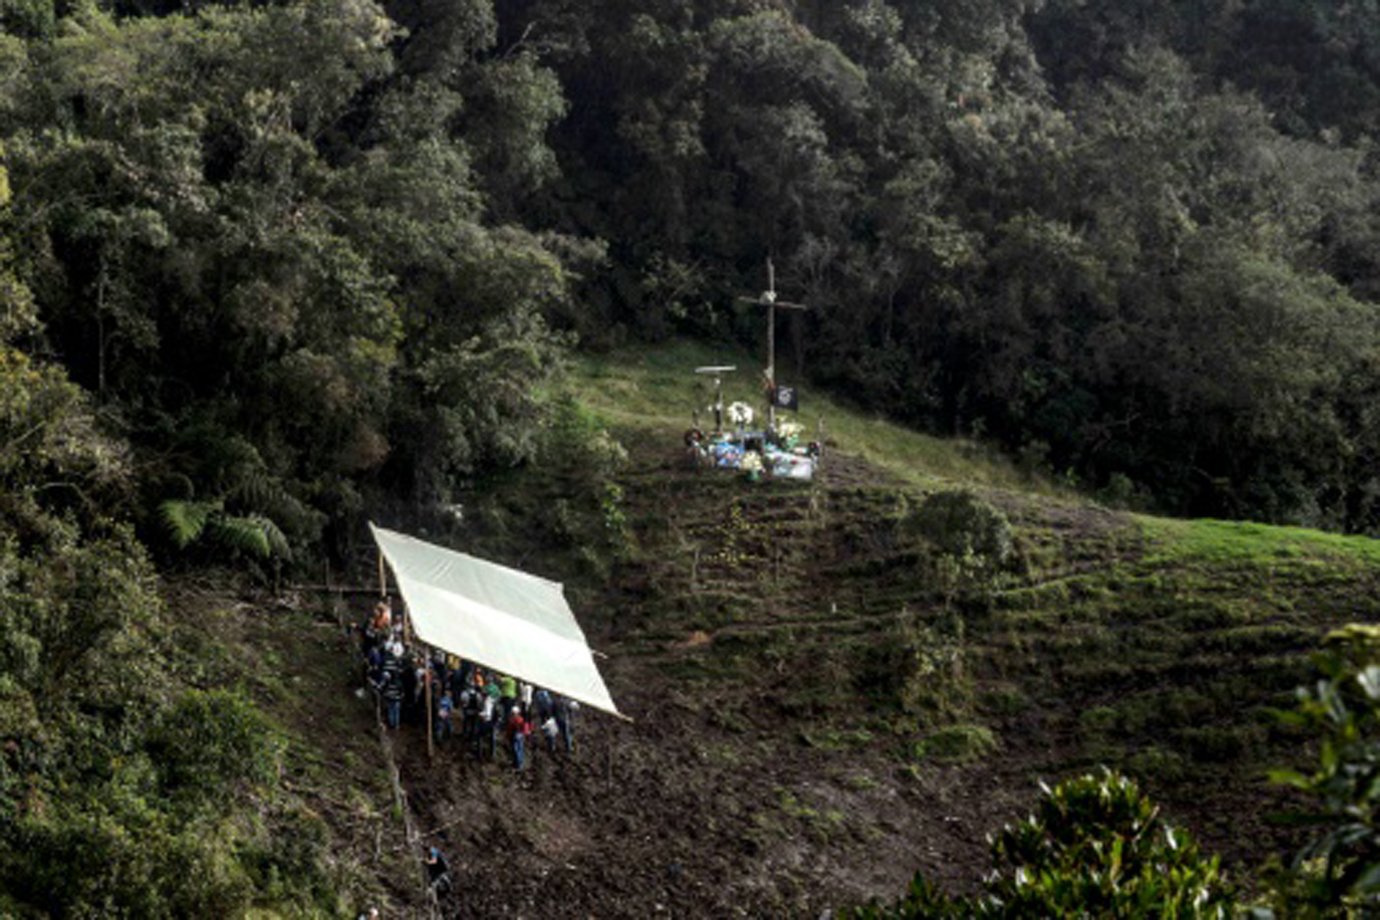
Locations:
(771, 353)
(430, 728)
(383, 577)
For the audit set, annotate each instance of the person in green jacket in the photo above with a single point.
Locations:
(507, 693)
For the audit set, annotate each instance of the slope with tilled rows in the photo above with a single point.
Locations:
(759, 777)
(761, 635)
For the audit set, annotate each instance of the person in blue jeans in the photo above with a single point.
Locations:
(517, 737)
(391, 691)
(392, 696)
(443, 713)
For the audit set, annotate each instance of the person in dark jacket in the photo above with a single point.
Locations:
(374, 663)
(443, 717)
(411, 691)
(542, 705)
(391, 690)
(469, 717)
(437, 871)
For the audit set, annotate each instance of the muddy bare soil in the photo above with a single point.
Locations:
(770, 770)
(755, 779)
(673, 816)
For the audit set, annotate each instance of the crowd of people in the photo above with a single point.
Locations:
(487, 705)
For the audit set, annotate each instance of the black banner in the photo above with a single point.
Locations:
(786, 397)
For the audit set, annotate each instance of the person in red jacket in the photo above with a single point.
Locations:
(518, 730)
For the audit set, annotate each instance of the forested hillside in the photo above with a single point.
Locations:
(298, 251)
(269, 268)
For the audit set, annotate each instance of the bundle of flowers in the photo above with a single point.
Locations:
(740, 413)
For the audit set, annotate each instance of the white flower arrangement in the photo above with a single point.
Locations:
(789, 429)
(752, 462)
(740, 413)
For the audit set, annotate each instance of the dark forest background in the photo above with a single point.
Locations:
(294, 252)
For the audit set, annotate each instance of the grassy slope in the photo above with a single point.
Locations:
(1155, 645)
(655, 389)
(289, 654)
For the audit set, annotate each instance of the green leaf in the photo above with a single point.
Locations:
(277, 542)
(184, 521)
(244, 534)
(1290, 778)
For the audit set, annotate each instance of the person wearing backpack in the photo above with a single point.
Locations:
(437, 872)
(542, 705)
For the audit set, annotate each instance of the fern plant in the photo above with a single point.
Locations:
(184, 521)
(188, 522)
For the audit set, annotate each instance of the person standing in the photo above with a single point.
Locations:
(517, 737)
(437, 871)
(459, 682)
(507, 692)
(550, 730)
(544, 707)
(468, 702)
(374, 663)
(392, 690)
(566, 710)
(382, 623)
(440, 674)
(443, 714)
(488, 728)
(415, 675)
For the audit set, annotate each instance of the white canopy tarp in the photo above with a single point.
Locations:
(498, 617)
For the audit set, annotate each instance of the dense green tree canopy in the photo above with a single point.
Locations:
(1111, 237)
(301, 251)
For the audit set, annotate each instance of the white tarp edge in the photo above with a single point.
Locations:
(498, 617)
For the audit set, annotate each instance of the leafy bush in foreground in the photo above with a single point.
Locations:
(1338, 871)
(1095, 846)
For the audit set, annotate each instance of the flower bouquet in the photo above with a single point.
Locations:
(752, 465)
(740, 414)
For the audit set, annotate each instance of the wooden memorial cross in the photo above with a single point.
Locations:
(768, 299)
